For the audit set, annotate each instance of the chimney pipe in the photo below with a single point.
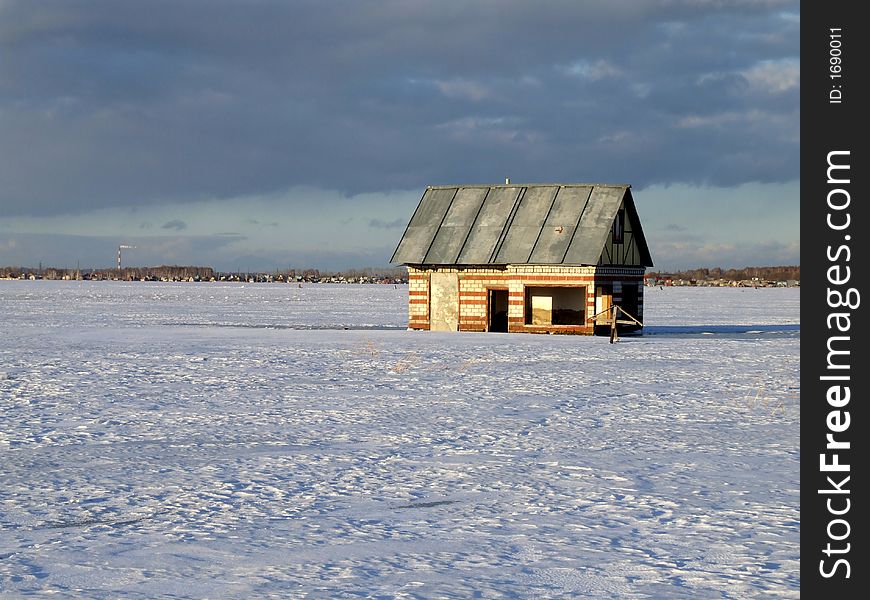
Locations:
(507, 180)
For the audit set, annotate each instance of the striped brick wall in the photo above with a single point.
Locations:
(531, 276)
(639, 314)
(418, 299)
(473, 297)
(474, 283)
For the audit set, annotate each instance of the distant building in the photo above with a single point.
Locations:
(541, 258)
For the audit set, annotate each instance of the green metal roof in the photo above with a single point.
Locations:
(516, 224)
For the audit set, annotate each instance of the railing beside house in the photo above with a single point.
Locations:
(613, 319)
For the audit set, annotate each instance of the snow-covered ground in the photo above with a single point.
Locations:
(242, 441)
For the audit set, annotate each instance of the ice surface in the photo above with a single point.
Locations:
(240, 441)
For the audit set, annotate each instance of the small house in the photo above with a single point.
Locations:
(538, 258)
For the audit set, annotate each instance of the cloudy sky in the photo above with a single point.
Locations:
(262, 134)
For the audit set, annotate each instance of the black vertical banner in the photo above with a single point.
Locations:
(834, 305)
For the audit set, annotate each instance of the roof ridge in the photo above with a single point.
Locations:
(526, 185)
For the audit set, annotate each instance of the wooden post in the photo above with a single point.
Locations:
(613, 335)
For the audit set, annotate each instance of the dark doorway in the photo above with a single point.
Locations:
(498, 310)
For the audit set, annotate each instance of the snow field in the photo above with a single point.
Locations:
(214, 440)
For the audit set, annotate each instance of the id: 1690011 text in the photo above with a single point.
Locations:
(835, 65)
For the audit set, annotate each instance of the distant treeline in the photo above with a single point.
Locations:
(127, 273)
(763, 273)
(177, 273)
(191, 273)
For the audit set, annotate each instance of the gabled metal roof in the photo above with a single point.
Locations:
(541, 224)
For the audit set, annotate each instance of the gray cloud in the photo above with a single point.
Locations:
(128, 104)
(176, 224)
(381, 224)
(100, 251)
(691, 254)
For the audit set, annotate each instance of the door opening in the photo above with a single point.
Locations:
(498, 310)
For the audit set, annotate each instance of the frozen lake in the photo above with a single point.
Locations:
(265, 440)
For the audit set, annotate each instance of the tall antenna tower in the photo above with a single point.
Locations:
(124, 246)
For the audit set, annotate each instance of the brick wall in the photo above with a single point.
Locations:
(418, 299)
(474, 284)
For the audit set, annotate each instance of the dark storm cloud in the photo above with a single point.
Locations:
(113, 104)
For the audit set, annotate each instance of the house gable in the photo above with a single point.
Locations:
(628, 246)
